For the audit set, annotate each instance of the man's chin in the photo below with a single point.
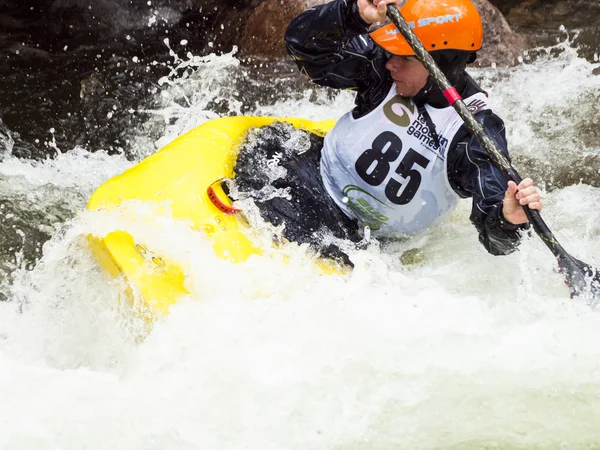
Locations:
(400, 90)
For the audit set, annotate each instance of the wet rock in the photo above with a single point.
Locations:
(550, 13)
(501, 44)
(265, 28)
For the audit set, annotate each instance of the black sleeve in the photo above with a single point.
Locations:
(330, 44)
(472, 174)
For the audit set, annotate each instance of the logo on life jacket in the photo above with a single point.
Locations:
(363, 209)
(476, 105)
(399, 111)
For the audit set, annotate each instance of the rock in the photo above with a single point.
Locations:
(550, 14)
(265, 29)
(596, 71)
(501, 45)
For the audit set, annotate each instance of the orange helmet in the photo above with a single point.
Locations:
(439, 24)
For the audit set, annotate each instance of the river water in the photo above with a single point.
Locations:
(455, 350)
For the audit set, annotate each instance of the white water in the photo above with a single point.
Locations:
(464, 350)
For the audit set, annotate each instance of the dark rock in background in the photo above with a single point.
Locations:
(501, 44)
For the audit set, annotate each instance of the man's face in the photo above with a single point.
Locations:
(410, 76)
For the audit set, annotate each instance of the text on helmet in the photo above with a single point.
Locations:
(448, 18)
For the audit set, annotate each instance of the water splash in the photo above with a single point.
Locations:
(458, 350)
(551, 114)
(6, 141)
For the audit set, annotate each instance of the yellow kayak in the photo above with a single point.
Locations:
(185, 175)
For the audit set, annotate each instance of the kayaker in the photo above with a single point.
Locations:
(399, 162)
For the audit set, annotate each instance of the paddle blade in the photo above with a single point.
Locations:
(582, 279)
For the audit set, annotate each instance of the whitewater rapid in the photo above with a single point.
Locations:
(461, 350)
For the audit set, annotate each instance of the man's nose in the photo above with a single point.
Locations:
(395, 63)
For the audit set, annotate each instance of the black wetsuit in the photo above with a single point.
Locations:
(302, 205)
(330, 45)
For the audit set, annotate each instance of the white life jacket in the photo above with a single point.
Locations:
(386, 169)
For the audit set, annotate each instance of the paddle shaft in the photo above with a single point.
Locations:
(484, 139)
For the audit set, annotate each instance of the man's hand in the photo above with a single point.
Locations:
(518, 197)
(374, 11)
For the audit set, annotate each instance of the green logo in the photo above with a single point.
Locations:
(363, 209)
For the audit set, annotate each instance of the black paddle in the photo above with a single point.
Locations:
(581, 278)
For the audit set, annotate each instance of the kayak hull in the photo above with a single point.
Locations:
(177, 179)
